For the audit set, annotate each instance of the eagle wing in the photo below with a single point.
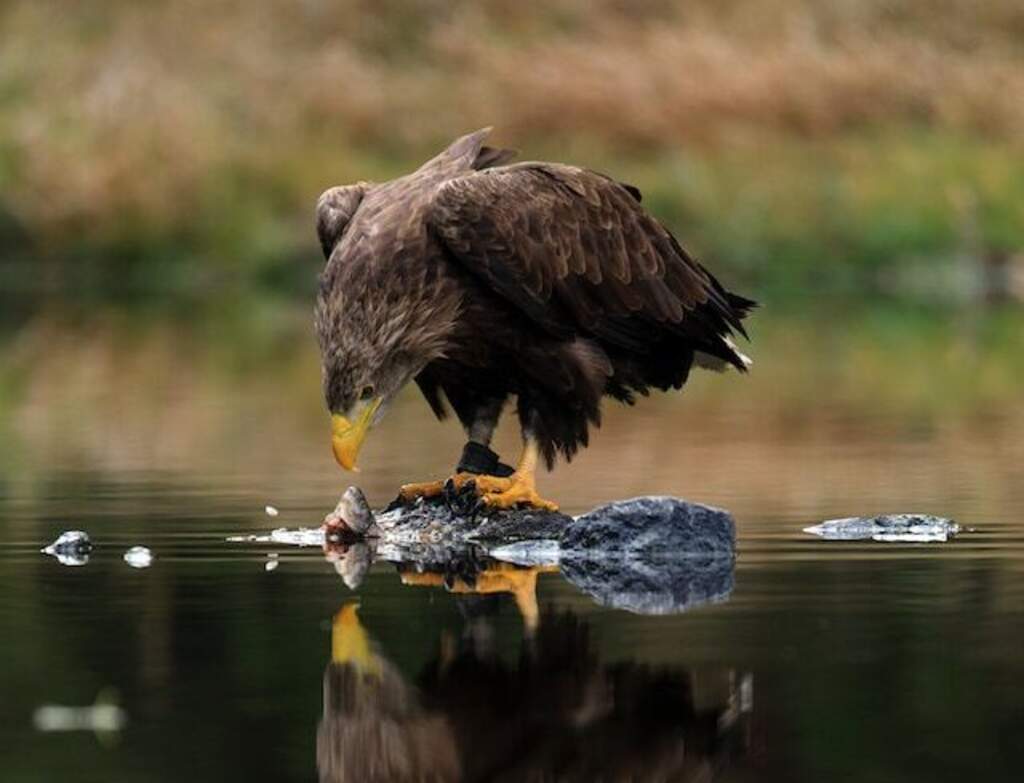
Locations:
(576, 252)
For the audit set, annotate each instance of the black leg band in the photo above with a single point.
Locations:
(477, 458)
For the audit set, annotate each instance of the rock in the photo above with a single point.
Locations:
(652, 555)
(913, 528)
(652, 528)
(138, 557)
(71, 548)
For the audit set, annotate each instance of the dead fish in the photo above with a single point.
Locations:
(353, 565)
(352, 514)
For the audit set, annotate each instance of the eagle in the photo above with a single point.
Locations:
(483, 280)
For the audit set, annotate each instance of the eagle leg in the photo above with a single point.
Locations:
(518, 489)
(477, 459)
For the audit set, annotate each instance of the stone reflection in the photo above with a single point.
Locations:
(559, 712)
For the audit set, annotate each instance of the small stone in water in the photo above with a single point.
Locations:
(271, 511)
(138, 557)
(99, 718)
(889, 528)
(71, 548)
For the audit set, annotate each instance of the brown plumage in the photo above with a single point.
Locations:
(482, 281)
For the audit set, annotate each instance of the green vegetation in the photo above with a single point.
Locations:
(168, 150)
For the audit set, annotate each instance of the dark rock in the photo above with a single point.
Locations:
(652, 555)
(653, 529)
(907, 528)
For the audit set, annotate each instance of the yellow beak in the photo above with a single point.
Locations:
(347, 438)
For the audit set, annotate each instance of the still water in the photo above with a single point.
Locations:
(852, 661)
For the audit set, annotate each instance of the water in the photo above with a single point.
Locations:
(830, 660)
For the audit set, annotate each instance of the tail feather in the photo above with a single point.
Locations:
(722, 357)
(740, 304)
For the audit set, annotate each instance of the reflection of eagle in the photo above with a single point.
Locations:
(481, 281)
(556, 711)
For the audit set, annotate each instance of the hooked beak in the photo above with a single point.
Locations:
(347, 438)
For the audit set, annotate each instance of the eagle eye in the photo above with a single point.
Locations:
(366, 393)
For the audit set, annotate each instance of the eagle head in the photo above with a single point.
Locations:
(359, 385)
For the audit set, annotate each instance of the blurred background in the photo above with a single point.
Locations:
(855, 165)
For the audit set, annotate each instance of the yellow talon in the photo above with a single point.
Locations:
(431, 489)
(519, 488)
(494, 491)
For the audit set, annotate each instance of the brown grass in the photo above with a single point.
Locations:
(129, 109)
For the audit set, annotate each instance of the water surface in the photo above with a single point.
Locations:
(829, 661)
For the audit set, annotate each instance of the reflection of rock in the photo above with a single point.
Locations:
(915, 528)
(554, 712)
(651, 555)
(663, 587)
(71, 548)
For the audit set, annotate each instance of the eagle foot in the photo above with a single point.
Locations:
(517, 490)
(432, 489)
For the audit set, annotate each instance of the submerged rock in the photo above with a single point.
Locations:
(906, 528)
(71, 548)
(651, 555)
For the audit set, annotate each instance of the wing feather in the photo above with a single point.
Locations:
(576, 252)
